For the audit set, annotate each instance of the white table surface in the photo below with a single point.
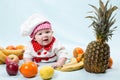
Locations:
(111, 74)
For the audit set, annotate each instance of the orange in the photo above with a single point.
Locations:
(11, 47)
(20, 47)
(78, 59)
(110, 63)
(77, 51)
(28, 69)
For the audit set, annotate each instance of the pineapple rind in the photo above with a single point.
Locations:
(96, 57)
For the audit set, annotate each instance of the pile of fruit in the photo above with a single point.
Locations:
(76, 62)
(16, 50)
(30, 69)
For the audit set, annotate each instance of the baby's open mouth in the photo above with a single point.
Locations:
(45, 40)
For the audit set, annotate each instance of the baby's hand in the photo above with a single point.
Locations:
(59, 63)
(56, 65)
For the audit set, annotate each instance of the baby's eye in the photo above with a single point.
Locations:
(40, 34)
(47, 32)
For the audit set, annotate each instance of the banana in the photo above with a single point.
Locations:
(72, 67)
(5, 52)
(1, 62)
(16, 52)
(2, 57)
(72, 61)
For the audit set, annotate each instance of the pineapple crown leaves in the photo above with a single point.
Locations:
(103, 20)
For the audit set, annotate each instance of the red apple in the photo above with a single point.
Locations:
(12, 68)
(12, 58)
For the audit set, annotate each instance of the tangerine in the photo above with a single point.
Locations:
(28, 69)
(10, 47)
(77, 51)
(78, 59)
(110, 63)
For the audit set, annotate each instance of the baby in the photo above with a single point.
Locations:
(43, 46)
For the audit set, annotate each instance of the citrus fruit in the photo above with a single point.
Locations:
(46, 72)
(28, 69)
(110, 63)
(78, 59)
(10, 47)
(77, 51)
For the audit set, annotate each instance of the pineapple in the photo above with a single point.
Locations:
(97, 53)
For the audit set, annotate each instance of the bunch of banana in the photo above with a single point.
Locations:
(72, 65)
(2, 57)
(16, 52)
(4, 53)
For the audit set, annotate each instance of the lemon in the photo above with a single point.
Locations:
(46, 72)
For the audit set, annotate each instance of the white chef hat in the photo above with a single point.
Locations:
(29, 25)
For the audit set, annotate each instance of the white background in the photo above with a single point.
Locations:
(68, 21)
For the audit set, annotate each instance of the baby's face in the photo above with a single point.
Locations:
(44, 36)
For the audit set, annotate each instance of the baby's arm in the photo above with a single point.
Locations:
(61, 53)
(60, 62)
